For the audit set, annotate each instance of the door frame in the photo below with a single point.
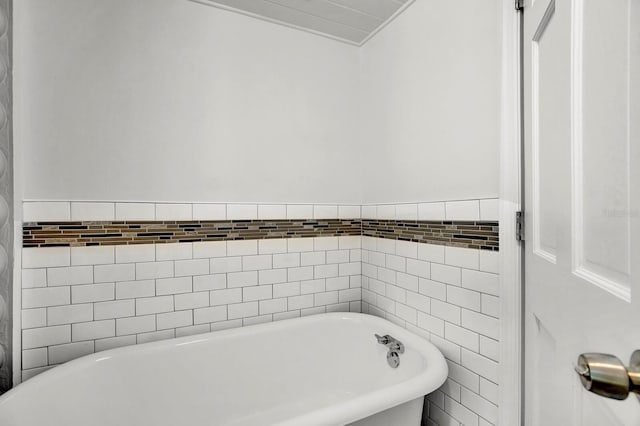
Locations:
(510, 375)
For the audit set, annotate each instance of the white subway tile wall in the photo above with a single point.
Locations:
(124, 295)
(450, 296)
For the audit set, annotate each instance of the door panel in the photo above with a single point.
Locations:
(582, 194)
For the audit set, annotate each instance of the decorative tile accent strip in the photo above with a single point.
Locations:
(63, 234)
(470, 234)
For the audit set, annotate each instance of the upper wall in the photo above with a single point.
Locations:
(170, 100)
(430, 104)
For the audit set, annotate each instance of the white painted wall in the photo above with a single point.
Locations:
(430, 104)
(170, 100)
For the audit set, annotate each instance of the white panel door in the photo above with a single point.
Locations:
(582, 189)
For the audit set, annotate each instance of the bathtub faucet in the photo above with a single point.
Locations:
(390, 342)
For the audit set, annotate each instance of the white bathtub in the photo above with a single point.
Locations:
(319, 370)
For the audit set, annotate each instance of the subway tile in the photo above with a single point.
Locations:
(134, 325)
(191, 267)
(32, 372)
(490, 209)
(92, 293)
(174, 251)
(397, 263)
(432, 289)
(313, 258)
(242, 279)
(114, 342)
(483, 282)
(325, 271)
(63, 353)
(242, 247)
(326, 298)
(462, 257)
(135, 253)
(299, 244)
(348, 212)
(451, 389)
(208, 249)
(450, 350)
(32, 278)
(431, 211)
(482, 324)
(299, 274)
(114, 309)
(349, 242)
(173, 211)
(262, 292)
(272, 306)
(490, 305)
(272, 211)
(441, 418)
(407, 249)
(272, 276)
(46, 336)
(431, 253)
(337, 283)
(286, 289)
(460, 412)
(225, 325)
(69, 275)
(117, 272)
(436, 398)
(242, 211)
(151, 270)
(43, 297)
(193, 330)
(446, 311)
(289, 260)
(256, 262)
(431, 324)
(419, 268)
(490, 348)
(44, 257)
(242, 310)
(174, 320)
(154, 305)
(40, 211)
(386, 246)
(463, 210)
(32, 358)
(368, 211)
(479, 405)
(337, 256)
(326, 243)
(209, 282)
(464, 376)
(299, 211)
(349, 295)
(338, 307)
(386, 304)
(178, 285)
(387, 275)
(406, 313)
(480, 365)
(406, 281)
(325, 211)
(350, 268)
(418, 301)
(355, 281)
(92, 211)
(135, 211)
(445, 274)
(33, 318)
(407, 212)
(273, 245)
(208, 211)
(68, 314)
(312, 286)
(261, 319)
(396, 293)
(462, 336)
(93, 330)
(386, 211)
(300, 302)
(134, 289)
(155, 336)
(97, 255)
(369, 270)
(489, 390)
(490, 261)
(226, 264)
(191, 300)
(377, 258)
(286, 315)
(209, 315)
(225, 297)
(462, 297)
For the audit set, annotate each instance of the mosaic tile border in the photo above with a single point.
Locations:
(470, 234)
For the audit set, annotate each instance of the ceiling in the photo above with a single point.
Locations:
(350, 21)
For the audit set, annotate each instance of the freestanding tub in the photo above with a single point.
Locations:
(319, 370)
